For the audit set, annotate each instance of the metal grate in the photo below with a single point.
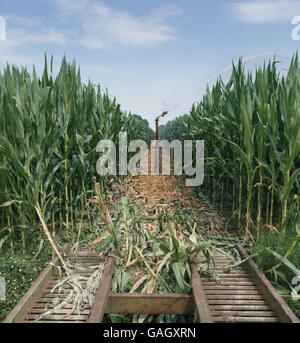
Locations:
(236, 298)
(45, 300)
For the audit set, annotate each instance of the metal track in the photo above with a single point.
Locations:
(242, 295)
(39, 297)
(235, 298)
(44, 302)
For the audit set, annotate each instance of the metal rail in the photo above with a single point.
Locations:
(244, 295)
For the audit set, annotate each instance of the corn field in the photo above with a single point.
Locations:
(251, 128)
(50, 127)
(49, 130)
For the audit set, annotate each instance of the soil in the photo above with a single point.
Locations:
(157, 192)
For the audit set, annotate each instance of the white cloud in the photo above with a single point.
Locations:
(94, 25)
(265, 11)
(68, 6)
(104, 27)
(21, 31)
(88, 23)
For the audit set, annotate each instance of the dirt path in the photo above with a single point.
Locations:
(154, 192)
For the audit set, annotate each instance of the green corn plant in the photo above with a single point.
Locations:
(49, 128)
(251, 128)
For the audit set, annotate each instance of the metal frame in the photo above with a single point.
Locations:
(107, 302)
(279, 306)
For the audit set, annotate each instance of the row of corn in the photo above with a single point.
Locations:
(49, 129)
(251, 128)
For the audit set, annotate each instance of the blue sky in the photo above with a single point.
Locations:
(152, 55)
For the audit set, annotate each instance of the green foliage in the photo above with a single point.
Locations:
(19, 272)
(273, 248)
(172, 130)
(140, 129)
(251, 128)
(49, 130)
(279, 243)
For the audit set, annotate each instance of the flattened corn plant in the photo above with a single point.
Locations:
(155, 259)
(49, 130)
(251, 128)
